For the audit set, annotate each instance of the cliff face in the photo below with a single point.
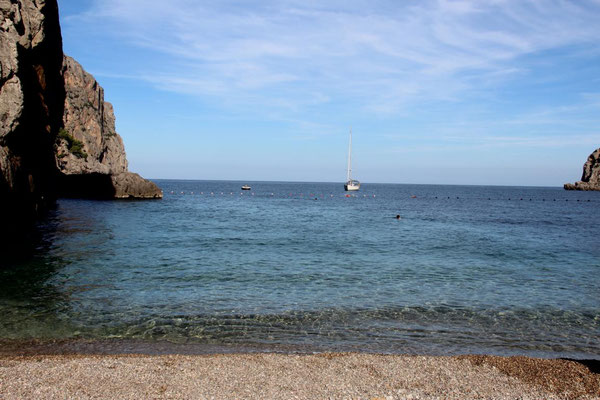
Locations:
(90, 120)
(39, 94)
(90, 154)
(31, 107)
(590, 179)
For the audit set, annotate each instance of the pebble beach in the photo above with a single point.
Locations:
(293, 376)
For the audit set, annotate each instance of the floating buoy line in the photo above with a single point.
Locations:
(312, 196)
(271, 194)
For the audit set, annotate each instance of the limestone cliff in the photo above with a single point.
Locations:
(57, 135)
(91, 121)
(90, 153)
(590, 179)
(31, 108)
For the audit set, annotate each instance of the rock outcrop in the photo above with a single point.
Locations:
(91, 121)
(42, 156)
(31, 108)
(590, 179)
(89, 147)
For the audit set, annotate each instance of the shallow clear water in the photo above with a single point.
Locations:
(468, 269)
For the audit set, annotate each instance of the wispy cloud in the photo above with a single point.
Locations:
(469, 144)
(382, 55)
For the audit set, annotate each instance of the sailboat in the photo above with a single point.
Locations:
(351, 184)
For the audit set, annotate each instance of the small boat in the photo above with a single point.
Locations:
(351, 184)
(246, 187)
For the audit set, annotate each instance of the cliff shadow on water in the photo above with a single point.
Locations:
(22, 242)
(90, 186)
(32, 297)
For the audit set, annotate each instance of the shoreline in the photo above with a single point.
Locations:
(305, 376)
(158, 347)
(60, 369)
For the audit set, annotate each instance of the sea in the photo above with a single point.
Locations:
(308, 267)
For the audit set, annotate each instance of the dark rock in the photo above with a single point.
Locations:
(31, 108)
(129, 185)
(590, 179)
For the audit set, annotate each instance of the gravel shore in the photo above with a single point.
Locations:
(281, 376)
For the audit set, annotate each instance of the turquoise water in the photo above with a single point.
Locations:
(467, 269)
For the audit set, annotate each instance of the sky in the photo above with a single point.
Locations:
(494, 92)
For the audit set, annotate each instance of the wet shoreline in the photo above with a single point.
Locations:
(111, 347)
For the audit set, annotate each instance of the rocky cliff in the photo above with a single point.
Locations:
(590, 179)
(31, 107)
(90, 153)
(57, 135)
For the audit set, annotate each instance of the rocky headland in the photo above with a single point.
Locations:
(90, 153)
(57, 134)
(590, 179)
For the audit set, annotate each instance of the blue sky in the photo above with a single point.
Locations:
(500, 92)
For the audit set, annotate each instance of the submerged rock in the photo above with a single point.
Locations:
(590, 179)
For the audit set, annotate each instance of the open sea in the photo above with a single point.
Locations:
(303, 267)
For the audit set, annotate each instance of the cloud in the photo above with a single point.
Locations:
(383, 56)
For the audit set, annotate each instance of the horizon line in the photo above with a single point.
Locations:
(341, 183)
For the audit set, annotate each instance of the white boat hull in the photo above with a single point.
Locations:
(352, 186)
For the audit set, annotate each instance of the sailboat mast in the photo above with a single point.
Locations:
(349, 157)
